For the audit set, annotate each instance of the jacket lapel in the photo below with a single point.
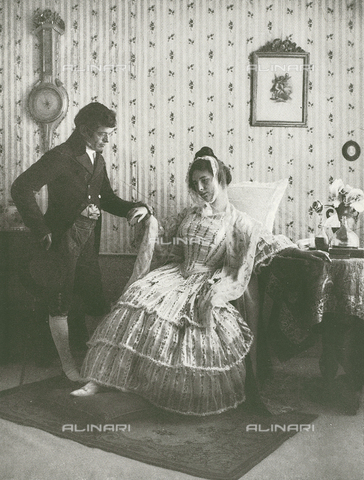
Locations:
(85, 161)
(99, 165)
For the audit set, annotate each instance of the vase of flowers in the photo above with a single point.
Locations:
(348, 203)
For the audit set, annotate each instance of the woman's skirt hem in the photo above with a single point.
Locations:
(171, 410)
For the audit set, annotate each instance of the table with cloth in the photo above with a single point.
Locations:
(301, 300)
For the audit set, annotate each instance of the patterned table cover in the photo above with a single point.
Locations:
(297, 293)
(343, 287)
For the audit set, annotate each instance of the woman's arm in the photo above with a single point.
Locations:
(312, 255)
(251, 247)
(242, 236)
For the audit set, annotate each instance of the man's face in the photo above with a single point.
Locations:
(97, 140)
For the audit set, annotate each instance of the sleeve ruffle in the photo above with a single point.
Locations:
(268, 246)
(249, 247)
(235, 275)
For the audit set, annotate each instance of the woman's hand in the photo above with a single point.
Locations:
(312, 255)
(317, 254)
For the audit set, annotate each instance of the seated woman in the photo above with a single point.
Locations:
(173, 336)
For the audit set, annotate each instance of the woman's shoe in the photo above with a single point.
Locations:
(89, 389)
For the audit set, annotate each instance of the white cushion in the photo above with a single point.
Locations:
(259, 200)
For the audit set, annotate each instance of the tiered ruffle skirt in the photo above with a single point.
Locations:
(154, 344)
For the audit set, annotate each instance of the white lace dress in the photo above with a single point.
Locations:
(156, 341)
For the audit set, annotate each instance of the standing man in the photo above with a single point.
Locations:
(78, 189)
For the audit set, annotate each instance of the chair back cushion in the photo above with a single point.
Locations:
(259, 200)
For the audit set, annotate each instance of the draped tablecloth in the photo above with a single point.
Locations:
(343, 287)
(298, 293)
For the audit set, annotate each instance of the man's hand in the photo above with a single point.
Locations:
(136, 215)
(47, 241)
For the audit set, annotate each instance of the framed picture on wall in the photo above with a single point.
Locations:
(279, 89)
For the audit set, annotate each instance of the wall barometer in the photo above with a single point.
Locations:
(48, 100)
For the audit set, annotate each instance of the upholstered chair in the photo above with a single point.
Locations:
(261, 202)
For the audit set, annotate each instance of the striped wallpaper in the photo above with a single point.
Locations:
(176, 72)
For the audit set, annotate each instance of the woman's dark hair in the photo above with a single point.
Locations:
(95, 115)
(205, 152)
(223, 174)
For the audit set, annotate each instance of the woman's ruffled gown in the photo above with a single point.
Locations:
(155, 342)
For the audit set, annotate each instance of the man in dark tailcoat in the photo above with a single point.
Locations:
(78, 189)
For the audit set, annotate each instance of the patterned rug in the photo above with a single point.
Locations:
(218, 447)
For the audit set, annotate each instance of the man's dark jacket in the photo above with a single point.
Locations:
(73, 183)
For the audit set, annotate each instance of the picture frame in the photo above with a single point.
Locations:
(351, 151)
(279, 88)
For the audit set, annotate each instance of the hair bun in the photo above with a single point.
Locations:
(205, 152)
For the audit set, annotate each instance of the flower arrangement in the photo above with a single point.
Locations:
(346, 196)
(341, 198)
(342, 211)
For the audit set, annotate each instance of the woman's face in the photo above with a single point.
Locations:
(204, 184)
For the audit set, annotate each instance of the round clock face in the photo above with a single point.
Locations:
(45, 104)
